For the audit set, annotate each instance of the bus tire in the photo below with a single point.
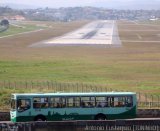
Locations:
(100, 117)
(40, 118)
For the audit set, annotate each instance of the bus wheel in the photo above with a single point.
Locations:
(40, 118)
(100, 117)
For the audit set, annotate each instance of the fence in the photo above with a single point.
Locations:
(44, 86)
(148, 101)
(144, 100)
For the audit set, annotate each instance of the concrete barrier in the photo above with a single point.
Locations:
(148, 113)
(114, 125)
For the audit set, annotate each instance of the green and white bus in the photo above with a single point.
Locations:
(72, 106)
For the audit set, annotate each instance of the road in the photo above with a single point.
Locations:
(101, 32)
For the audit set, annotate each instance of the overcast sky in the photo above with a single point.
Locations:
(54, 3)
(72, 3)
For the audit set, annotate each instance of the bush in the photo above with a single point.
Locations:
(4, 22)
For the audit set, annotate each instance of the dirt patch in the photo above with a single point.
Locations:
(4, 116)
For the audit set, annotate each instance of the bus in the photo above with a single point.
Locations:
(72, 106)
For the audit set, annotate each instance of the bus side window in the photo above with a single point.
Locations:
(35, 104)
(70, 102)
(116, 102)
(112, 102)
(40, 102)
(73, 102)
(83, 104)
(63, 102)
(119, 101)
(129, 101)
(76, 101)
(58, 105)
(101, 102)
(57, 102)
(87, 102)
(44, 102)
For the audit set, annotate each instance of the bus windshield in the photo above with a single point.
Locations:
(13, 104)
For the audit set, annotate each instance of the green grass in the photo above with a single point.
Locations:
(13, 30)
(119, 75)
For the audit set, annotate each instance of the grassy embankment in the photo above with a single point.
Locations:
(133, 67)
(13, 30)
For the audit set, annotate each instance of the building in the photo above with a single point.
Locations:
(17, 17)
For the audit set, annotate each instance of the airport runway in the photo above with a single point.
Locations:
(103, 32)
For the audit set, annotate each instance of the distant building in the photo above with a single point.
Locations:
(17, 17)
(153, 19)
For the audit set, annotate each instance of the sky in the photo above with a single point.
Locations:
(54, 3)
(73, 3)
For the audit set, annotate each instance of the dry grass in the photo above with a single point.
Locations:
(16, 47)
(134, 66)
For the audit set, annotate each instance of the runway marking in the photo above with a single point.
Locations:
(112, 32)
(139, 37)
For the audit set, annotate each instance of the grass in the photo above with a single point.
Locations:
(133, 67)
(13, 30)
(81, 70)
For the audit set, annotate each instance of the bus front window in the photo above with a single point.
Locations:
(13, 104)
(23, 104)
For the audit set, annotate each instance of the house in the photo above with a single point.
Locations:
(17, 17)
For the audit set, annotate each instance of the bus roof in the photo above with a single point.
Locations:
(76, 94)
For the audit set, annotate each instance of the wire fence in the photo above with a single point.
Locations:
(8, 87)
(45, 86)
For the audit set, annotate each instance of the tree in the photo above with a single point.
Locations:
(4, 22)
